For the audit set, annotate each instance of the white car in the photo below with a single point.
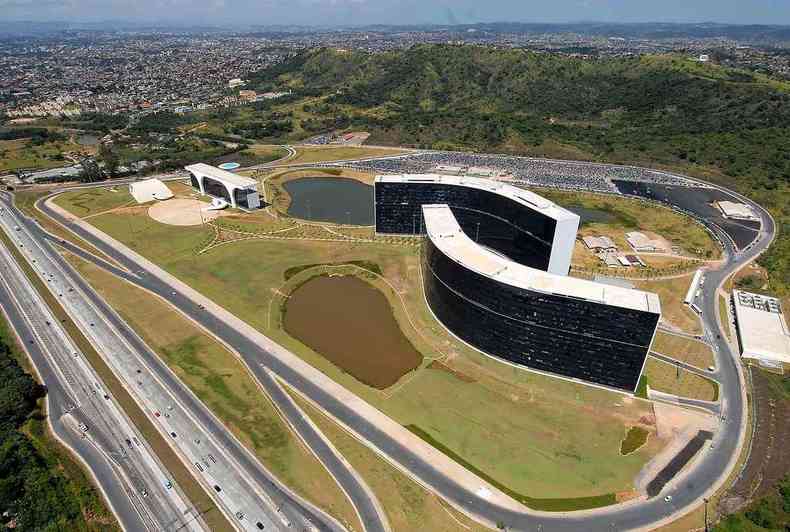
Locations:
(668, 498)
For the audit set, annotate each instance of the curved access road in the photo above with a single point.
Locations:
(475, 497)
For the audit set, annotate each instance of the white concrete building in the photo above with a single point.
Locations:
(762, 330)
(239, 191)
(641, 242)
(599, 243)
(149, 190)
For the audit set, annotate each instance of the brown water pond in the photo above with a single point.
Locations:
(350, 323)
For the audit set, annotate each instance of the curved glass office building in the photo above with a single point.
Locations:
(513, 307)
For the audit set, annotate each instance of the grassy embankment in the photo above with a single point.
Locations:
(671, 292)
(479, 409)
(25, 202)
(666, 378)
(686, 350)
(221, 381)
(181, 476)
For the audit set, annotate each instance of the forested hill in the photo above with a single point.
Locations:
(714, 122)
(668, 108)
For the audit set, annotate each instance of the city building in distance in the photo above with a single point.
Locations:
(494, 266)
(239, 191)
(762, 329)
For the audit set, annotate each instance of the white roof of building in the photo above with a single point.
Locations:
(642, 241)
(149, 190)
(519, 195)
(221, 175)
(762, 327)
(443, 230)
(736, 210)
(595, 242)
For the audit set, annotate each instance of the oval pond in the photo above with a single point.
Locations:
(350, 323)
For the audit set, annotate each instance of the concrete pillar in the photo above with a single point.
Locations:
(200, 184)
(229, 188)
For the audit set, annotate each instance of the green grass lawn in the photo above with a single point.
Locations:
(94, 200)
(671, 292)
(541, 437)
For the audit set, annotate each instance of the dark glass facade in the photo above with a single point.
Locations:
(246, 198)
(216, 189)
(493, 220)
(572, 337)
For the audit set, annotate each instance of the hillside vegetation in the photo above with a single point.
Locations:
(713, 122)
(41, 487)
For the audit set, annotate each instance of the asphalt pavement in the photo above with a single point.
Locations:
(87, 420)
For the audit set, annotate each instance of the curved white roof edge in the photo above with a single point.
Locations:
(206, 170)
(567, 222)
(445, 233)
(519, 195)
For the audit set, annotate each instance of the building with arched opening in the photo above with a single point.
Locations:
(239, 191)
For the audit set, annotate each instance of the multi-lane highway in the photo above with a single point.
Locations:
(708, 472)
(88, 420)
(251, 498)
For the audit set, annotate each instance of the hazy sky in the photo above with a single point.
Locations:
(345, 12)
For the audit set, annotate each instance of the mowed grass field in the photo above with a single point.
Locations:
(94, 200)
(542, 437)
(686, 350)
(220, 380)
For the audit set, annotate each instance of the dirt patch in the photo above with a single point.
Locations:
(457, 374)
(351, 323)
(182, 212)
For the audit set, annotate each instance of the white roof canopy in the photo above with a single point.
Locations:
(206, 170)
